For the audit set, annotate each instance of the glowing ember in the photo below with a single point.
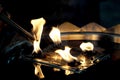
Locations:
(37, 32)
(55, 35)
(88, 46)
(65, 54)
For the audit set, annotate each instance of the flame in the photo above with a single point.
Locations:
(67, 71)
(37, 32)
(38, 71)
(56, 57)
(85, 62)
(65, 54)
(55, 35)
(87, 46)
(56, 69)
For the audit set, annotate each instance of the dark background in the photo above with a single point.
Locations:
(78, 12)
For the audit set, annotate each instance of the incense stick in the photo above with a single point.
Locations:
(15, 25)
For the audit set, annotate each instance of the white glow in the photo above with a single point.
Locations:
(65, 54)
(37, 32)
(55, 35)
(87, 46)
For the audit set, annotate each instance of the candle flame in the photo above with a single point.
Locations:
(87, 46)
(55, 35)
(65, 54)
(37, 32)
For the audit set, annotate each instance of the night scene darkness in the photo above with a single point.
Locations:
(79, 13)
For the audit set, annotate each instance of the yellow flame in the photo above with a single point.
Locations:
(85, 62)
(87, 46)
(66, 67)
(56, 69)
(38, 71)
(37, 32)
(56, 57)
(65, 54)
(68, 72)
(55, 35)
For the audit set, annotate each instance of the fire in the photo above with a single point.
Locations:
(55, 35)
(65, 54)
(87, 46)
(37, 32)
(67, 71)
(85, 62)
(38, 71)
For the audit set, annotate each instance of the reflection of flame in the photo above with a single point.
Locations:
(38, 71)
(55, 35)
(65, 54)
(56, 69)
(56, 57)
(88, 46)
(37, 32)
(67, 71)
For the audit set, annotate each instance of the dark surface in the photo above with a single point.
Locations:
(79, 12)
(24, 70)
(21, 69)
